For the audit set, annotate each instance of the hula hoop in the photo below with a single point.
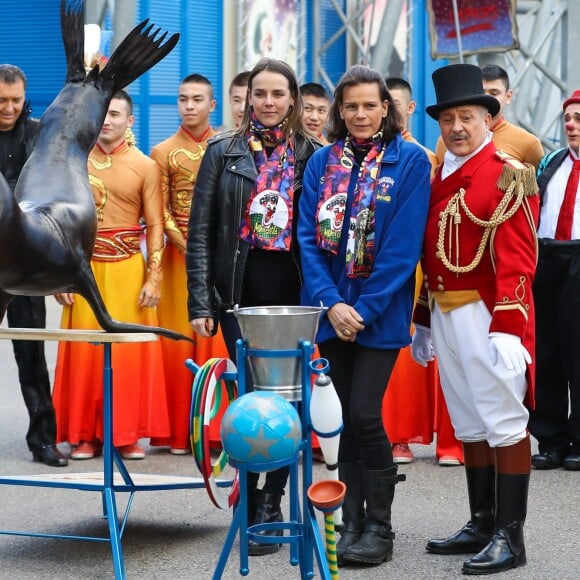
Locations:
(206, 406)
(196, 420)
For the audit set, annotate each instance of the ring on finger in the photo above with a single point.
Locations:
(346, 331)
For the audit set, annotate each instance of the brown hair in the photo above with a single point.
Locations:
(294, 117)
(356, 75)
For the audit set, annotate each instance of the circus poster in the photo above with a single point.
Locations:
(270, 31)
(482, 26)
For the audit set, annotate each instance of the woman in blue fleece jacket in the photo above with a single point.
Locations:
(362, 215)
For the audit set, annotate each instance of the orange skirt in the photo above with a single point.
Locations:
(172, 314)
(139, 394)
(413, 406)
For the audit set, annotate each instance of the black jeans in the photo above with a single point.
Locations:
(360, 376)
(275, 480)
(555, 422)
(30, 312)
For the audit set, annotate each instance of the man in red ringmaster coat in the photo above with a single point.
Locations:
(479, 260)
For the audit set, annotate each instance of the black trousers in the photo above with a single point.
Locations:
(30, 312)
(275, 480)
(555, 423)
(360, 376)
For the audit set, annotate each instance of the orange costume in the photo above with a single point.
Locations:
(126, 186)
(179, 158)
(413, 405)
(511, 139)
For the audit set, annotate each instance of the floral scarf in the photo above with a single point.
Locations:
(331, 211)
(267, 220)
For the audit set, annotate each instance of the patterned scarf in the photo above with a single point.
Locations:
(267, 220)
(360, 252)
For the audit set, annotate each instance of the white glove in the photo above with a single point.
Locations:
(421, 345)
(509, 350)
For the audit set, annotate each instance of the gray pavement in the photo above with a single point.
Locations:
(178, 535)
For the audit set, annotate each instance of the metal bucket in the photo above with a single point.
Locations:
(277, 328)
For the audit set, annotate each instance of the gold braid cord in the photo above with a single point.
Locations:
(517, 183)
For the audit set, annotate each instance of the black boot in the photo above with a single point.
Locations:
(250, 504)
(478, 531)
(376, 542)
(353, 512)
(252, 501)
(268, 510)
(506, 549)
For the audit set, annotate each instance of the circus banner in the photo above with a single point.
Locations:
(475, 26)
(270, 31)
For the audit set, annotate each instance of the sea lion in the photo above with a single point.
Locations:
(48, 226)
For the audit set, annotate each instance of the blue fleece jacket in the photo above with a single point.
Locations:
(385, 298)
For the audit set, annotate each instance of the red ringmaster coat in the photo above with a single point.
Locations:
(475, 247)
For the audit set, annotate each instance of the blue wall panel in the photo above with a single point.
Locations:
(425, 129)
(30, 39)
(334, 59)
(199, 51)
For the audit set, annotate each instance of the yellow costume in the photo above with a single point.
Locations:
(126, 187)
(179, 158)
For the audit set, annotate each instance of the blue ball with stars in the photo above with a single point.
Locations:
(261, 428)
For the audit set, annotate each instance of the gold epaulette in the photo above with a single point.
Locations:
(516, 170)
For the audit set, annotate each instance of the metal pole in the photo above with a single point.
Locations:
(382, 51)
(457, 31)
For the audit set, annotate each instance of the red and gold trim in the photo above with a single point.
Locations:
(117, 244)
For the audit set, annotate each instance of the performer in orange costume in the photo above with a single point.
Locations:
(126, 186)
(179, 158)
(413, 405)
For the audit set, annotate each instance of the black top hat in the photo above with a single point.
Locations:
(460, 84)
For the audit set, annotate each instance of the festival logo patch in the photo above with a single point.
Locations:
(268, 215)
(331, 217)
(384, 186)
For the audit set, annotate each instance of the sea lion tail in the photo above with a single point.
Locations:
(113, 326)
(137, 53)
(72, 15)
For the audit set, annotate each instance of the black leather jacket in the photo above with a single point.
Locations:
(216, 257)
(19, 147)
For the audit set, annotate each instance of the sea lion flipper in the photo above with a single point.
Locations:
(88, 289)
(137, 53)
(73, 37)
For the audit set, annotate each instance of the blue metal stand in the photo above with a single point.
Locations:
(108, 482)
(303, 533)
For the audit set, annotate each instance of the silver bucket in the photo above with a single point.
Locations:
(277, 328)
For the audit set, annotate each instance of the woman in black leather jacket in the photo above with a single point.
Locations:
(242, 246)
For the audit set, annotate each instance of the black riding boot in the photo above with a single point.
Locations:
(251, 504)
(353, 512)
(376, 542)
(506, 549)
(477, 533)
(480, 474)
(268, 510)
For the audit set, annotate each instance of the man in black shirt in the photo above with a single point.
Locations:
(17, 135)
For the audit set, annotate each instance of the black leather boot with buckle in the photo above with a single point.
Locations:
(376, 542)
(353, 512)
